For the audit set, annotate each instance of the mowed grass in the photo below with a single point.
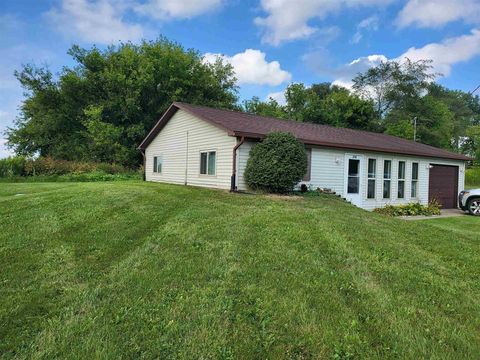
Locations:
(130, 270)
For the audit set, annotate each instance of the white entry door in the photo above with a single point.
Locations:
(353, 178)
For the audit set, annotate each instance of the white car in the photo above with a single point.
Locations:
(470, 200)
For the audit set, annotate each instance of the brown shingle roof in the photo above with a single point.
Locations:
(254, 126)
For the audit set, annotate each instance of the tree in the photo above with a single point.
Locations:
(321, 104)
(102, 108)
(342, 109)
(265, 108)
(471, 145)
(276, 164)
(465, 109)
(434, 122)
(393, 84)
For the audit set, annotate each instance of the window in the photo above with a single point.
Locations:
(353, 176)
(414, 180)
(309, 165)
(372, 173)
(157, 164)
(401, 180)
(387, 178)
(207, 162)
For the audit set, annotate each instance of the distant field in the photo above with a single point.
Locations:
(472, 178)
(128, 270)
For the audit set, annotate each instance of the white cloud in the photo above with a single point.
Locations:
(103, 21)
(279, 97)
(346, 73)
(181, 9)
(370, 23)
(287, 20)
(4, 152)
(447, 53)
(435, 13)
(444, 55)
(251, 68)
(99, 21)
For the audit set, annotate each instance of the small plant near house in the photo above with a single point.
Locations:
(276, 164)
(411, 209)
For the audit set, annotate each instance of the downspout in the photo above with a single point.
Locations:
(233, 187)
(144, 164)
(186, 163)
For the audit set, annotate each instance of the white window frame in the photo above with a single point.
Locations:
(155, 171)
(414, 182)
(387, 179)
(374, 178)
(403, 179)
(208, 157)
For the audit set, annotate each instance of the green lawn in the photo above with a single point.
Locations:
(143, 270)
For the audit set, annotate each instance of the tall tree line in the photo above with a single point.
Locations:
(390, 98)
(101, 109)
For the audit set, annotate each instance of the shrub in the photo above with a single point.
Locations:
(276, 164)
(12, 166)
(411, 209)
(53, 168)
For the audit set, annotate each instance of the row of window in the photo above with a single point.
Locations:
(387, 179)
(208, 161)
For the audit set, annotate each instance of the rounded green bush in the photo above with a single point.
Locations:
(276, 164)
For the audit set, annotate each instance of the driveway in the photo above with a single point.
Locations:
(446, 213)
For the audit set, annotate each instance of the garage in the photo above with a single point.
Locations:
(443, 185)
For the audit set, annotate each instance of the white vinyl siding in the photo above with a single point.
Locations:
(177, 167)
(328, 172)
(182, 140)
(242, 157)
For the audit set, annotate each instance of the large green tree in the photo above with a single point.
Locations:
(394, 84)
(102, 108)
(405, 90)
(271, 107)
(322, 103)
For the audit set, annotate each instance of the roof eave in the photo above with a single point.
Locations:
(458, 157)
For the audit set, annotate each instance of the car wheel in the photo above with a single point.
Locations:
(474, 206)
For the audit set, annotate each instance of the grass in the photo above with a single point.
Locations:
(472, 178)
(81, 177)
(127, 270)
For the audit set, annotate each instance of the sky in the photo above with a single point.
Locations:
(270, 43)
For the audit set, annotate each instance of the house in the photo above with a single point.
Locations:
(201, 146)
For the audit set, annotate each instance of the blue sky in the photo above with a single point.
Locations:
(270, 43)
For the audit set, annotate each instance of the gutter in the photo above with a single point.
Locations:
(233, 187)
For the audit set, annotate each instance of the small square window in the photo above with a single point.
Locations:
(157, 164)
(208, 161)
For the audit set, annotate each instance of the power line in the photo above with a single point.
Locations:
(478, 87)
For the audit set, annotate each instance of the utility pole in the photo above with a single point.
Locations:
(415, 128)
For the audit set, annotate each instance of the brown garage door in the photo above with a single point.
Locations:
(444, 185)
